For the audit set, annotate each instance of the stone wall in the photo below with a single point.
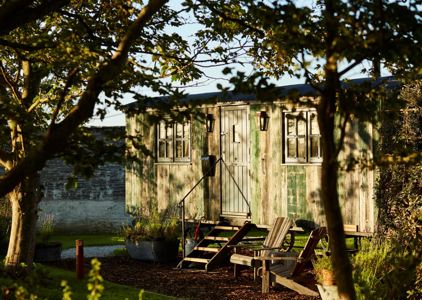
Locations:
(96, 205)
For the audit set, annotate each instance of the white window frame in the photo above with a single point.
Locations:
(171, 140)
(304, 115)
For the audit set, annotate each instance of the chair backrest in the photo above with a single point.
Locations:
(309, 249)
(277, 234)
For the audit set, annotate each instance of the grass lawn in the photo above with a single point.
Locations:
(47, 286)
(68, 240)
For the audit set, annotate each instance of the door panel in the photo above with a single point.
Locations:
(235, 153)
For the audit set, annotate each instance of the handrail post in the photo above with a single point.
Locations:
(183, 228)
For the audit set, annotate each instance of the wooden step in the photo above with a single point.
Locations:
(196, 259)
(207, 249)
(217, 238)
(230, 228)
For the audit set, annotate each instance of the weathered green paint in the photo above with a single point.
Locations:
(296, 192)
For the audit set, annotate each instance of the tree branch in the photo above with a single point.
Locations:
(57, 136)
(10, 83)
(5, 158)
(350, 67)
(240, 22)
(19, 12)
(26, 47)
(63, 94)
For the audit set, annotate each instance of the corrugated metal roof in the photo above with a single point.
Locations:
(265, 95)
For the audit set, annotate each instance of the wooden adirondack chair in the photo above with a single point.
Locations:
(273, 242)
(287, 268)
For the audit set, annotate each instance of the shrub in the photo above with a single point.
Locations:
(384, 270)
(155, 226)
(46, 229)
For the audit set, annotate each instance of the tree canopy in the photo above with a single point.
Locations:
(325, 42)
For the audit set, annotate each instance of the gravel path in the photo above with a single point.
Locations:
(97, 251)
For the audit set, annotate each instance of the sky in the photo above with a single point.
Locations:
(117, 118)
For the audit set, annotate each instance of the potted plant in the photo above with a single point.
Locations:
(325, 276)
(46, 250)
(153, 237)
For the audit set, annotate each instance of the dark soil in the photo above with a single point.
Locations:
(190, 283)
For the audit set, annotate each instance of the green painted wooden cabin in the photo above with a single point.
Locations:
(263, 172)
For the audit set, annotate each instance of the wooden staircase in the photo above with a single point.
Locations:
(214, 248)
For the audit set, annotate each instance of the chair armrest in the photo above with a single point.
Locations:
(273, 258)
(268, 248)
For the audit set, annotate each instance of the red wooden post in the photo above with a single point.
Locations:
(79, 259)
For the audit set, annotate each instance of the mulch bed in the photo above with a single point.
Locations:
(188, 284)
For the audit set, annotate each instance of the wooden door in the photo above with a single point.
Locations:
(235, 154)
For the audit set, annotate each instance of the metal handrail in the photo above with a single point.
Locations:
(181, 203)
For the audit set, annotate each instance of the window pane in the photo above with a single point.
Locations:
(314, 146)
(186, 149)
(161, 149)
(291, 148)
(169, 150)
(186, 130)
(301, 127)
(314, 124)
(291, 125)
(179, 130)
(169, 130)
(161, 130)
(301, 148)
(179, 149)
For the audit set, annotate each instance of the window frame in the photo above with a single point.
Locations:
(172, 139)
(296, 136)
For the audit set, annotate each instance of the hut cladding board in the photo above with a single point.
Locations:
(265, 173)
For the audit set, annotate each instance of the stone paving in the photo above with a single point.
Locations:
(95, 251)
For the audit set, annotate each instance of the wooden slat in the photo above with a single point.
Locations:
(220, 227)
(289, 283)
(277, 234)
(207, 249)
(217, 238)
(226, 250)
(196, 259)
(351, 227)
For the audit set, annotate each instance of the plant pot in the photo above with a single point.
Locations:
(326, 277)
(328, 292)
(190, 244)
(155, 251)
(47, 252)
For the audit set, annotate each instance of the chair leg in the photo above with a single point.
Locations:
(265, 276)
(255, 272)
(235, 271)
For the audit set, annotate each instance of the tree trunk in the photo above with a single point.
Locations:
(329, 194)
(24, 201)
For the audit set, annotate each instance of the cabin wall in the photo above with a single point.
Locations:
(276, 188)
(281, 189)
(151, 185)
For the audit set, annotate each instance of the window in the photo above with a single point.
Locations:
(173, 142)
(302, 139)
